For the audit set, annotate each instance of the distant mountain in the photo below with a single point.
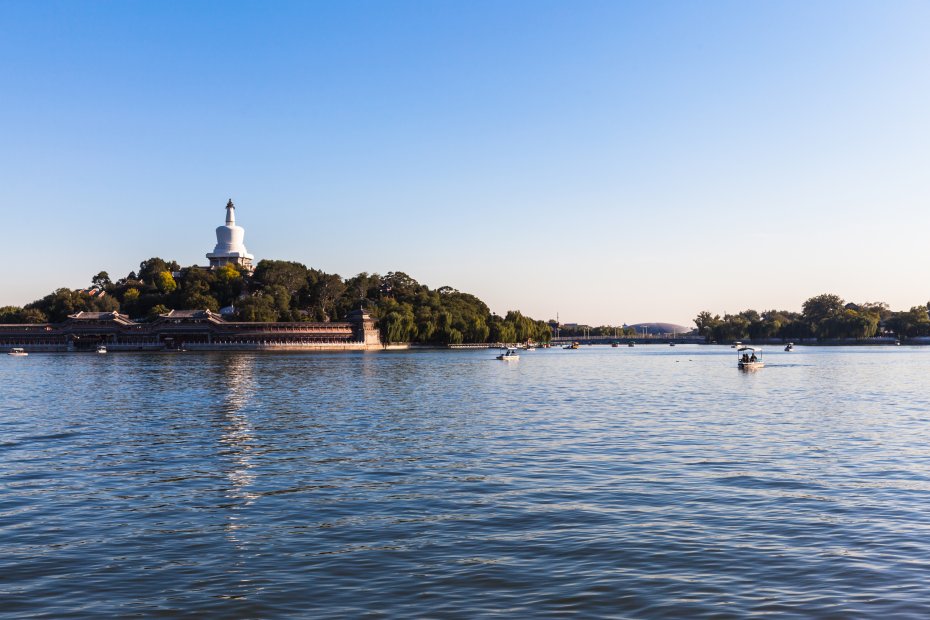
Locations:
(657, 329)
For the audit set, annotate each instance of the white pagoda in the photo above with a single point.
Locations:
(230, 248)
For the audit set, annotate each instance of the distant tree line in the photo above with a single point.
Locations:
(581, 331)
(406, 310)
(823, 317)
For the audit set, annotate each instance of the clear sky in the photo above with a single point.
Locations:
(607, 161)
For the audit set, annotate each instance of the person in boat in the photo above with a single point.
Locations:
(752, 358)
(745, 357)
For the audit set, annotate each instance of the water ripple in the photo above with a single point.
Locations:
(596, 483)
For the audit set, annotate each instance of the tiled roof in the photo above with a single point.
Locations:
(192, 314)
(100, 316)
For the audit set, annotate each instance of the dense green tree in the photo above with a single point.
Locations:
(543, 332)
(15, 314)
(228, 284)
(819, 309)
(281, 298)
(362, 290)
(398, 284)
(290, 275)
(503, 331)
(198, 301)
(363, 286)
(257, 308)
(864, 325)
(879, 308)
(165, 283)
(426, 323)
(151, 268)
(59, 304)
(10, 314)
(324, 293)
(910, 323)
(706, 322)
(32, 315)
(149, 300)
(731, 327)
(130, 302)
(825, 316)
(524, 327)
(398, 323)
(101, 280)
(478, 330)
(194, 285)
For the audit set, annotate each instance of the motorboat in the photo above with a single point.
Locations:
(573, 345)
(18, 352)
(789, 346)
(101, 348)
(509, 356)
(749, 358)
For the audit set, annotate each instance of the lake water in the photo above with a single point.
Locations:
(605, 482)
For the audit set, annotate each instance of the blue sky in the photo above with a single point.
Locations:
(610, 162)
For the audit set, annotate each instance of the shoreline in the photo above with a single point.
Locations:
(363, 348)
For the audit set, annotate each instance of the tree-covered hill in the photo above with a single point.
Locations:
(406, 310)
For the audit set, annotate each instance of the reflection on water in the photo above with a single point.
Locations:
(600, 482)
(237, 437)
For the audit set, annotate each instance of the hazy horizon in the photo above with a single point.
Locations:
(607, 162)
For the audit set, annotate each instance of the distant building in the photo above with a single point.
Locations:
(661, 329)
(230, 248)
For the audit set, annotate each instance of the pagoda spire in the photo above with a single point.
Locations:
(230, 213)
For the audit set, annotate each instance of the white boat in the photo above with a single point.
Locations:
(101, 348)
(17, 351)
(749, 358)
(509, 356)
